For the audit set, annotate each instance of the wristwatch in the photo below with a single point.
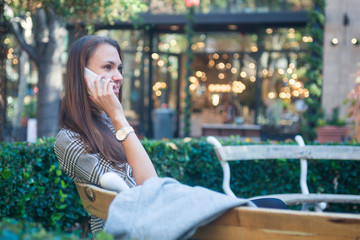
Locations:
(122, 133)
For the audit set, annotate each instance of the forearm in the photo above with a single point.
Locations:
(138, 159)
(135, 153)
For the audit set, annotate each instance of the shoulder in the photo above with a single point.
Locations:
(65, 137)
(66, 141)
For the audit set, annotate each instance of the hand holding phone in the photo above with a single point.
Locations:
(91, 76)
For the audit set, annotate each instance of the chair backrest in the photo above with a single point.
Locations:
(270, 152)
(95, 200)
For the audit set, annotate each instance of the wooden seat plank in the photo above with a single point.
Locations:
(260, 223)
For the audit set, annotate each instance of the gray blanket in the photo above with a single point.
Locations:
(164, 209)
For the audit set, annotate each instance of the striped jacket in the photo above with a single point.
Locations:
(85, 167)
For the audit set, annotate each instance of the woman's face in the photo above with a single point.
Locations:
(106, 60)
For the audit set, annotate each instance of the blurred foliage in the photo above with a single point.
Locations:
(11, 229)
(87, 11)
(315, 29)
(34, 189)
(333, 119)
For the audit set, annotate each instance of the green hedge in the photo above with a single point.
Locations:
(34, 189)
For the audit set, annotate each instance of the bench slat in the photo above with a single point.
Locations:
(316, 152)
(299, 198)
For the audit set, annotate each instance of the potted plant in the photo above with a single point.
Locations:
(332, 129)
(354, 110)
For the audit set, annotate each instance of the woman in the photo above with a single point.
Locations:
(95, 136)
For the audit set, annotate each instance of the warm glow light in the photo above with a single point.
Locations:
(292, 81)
(160, 63)
(200, 44)
(265, 72)
(216, 56)
(252, 79)
(238, 87)
(294, 76)
(155, 56)
(236, 55)
(289, 71)
(15, 61)
(174, 27)
(281, 71)
(271, 95)
(232, 27)
(211, 63)
(254, 49)
(295, 93)
(306, 93)
(354, 41)
(282, 95)
(192, 87)
(269, 31)
(243, 74)
(192, 79)
(234, 70)
(198, 73)
(228, 65)
(335, 41)
(215, 99)
(158, 93)
(298, 84)
(221, 76)
(252, 65)
(220, 65)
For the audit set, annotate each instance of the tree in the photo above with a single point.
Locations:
(49, 18)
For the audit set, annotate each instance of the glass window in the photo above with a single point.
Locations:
(284, 38)
(231, 42)
(283, 91)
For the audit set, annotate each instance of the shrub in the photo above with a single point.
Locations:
(34, 189)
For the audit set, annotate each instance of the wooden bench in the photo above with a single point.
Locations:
(300, 151)
(249, 223)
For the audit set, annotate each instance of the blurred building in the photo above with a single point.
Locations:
(248, 70)
(341, 56)
(248, 66)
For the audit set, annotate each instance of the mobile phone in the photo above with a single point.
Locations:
(90, 76)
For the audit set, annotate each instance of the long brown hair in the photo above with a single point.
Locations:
(78, 113)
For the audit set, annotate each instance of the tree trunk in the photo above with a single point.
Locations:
(50, 82)
(23, 73)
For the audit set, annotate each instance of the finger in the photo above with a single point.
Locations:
(105, 84)
(98, 83)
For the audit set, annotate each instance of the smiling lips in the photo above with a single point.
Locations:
(116, 88)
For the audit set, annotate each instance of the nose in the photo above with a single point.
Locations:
(117, 76)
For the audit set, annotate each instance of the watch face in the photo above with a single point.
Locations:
(120, 135)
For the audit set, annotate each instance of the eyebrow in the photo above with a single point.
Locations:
(112, 63)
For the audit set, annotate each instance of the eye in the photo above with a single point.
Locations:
(120, 68)
(107, 67)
